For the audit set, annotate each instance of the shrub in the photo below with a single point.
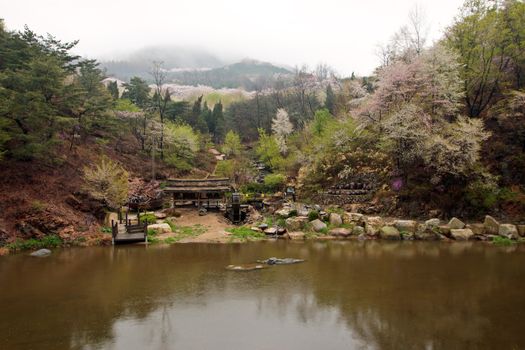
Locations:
(245, 234)
(274, 182)
(107, 181)
(312, 215)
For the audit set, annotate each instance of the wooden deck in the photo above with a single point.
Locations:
(129, 230)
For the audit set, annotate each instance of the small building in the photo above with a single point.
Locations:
(202, 193)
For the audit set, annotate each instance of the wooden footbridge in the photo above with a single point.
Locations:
(128, 229)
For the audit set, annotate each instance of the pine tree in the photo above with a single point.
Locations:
(330, 100)
(113, 90)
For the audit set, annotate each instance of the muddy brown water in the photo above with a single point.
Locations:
(347, 295)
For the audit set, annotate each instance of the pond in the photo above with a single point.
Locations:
(347, 295)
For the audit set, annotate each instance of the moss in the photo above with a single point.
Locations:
(502, 241)
(106, 229)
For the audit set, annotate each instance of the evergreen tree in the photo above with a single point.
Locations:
(218, 122)
(137, 90)
(329, 103)
(113, 90)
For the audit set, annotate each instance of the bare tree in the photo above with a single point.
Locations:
(161, 98)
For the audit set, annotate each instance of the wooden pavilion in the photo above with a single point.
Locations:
(207, 193)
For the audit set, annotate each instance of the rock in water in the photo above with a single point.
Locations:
(247, 267)
(462, 234)
(41, 253)
(509, 231)
(390, 232)
(277, 261)
(335, 219)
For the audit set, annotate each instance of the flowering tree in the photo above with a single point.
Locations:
(282, 127)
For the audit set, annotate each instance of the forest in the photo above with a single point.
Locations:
(438, 127)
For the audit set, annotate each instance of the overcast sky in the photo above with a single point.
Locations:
(341, 33)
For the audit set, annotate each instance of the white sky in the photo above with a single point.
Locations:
(343, 34)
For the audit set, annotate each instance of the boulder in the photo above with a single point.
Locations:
(271, 231)
(432, 223)
(478, 228)
(373, 225)
(263, 226)
(426, 233)
(160, 215)
(296, 235)
(358, 230)
(461, 234)
(521, 230)
(335, 219)
(444, 230)
(318, 225)
(508, 231)
(356, 218)
(296, 223)
(160, 228)
(340, 232)
(255, 229)
(456, 224)
(284, 212)
(406, 225)
(491, 225)
(41, 253)
(390, 233)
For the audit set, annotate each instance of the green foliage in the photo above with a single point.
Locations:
(125, 105)
(137, 91)
(225, 168)
(329, 102)
(232, 144)
(51, 241)
(181, 145)
(313, 215)
(502, 241)
(148, 217)
(106, 229)
(113, 89)
(268, 150)
(107, 181)
(274, 182)
(244, 233)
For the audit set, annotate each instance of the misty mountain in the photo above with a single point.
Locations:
(248, 74)
(187, 66)
(139, 62)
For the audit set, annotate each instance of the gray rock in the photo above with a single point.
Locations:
(456, 224)
(406, 225)
(461, 234)
(278, 261)
(160, 228)
(340, 232)
(390, 233)
(358, 230)
(263, 226)
(478, 228)
(521, 230)
(284, 212)
(362, 237)
(491, 225)
(508, 231)
(373, 225)
(296, 223)
(356, 218)
(160, 215)
(41, 253)
(255, 229)
(318, 225)
(335, 219)
(271, 231)
(432, 223)
(444, 230)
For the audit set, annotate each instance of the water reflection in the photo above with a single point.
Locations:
(364, 295)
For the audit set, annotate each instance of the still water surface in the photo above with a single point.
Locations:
(348, 295)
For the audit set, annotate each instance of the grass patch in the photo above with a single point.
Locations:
(106, 229)
(149, 217)
(313, 215)
(51, 241)
(244, 233)
(502, 241)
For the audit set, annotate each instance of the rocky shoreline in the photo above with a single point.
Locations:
(312, 222)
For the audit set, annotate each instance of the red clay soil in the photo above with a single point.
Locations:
(39, 198)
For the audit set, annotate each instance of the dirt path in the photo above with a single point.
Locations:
(214, 223)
